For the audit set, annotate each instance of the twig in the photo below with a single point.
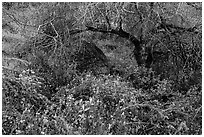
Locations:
(11, 69)
(23, 61)
(194, 5)
(200, 108)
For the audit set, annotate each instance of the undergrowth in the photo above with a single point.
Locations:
(100, 105)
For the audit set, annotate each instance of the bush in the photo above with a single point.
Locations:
(103, 105)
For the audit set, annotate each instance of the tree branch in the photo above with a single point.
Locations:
(121, 33)
(124, 34)
(76, 31)
(194, 5)
(177, 29)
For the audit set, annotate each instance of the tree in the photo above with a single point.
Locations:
(164, 36)
(140, 23)
(46, 44)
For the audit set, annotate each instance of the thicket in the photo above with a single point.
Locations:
(85, 81)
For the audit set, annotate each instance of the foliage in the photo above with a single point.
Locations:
(114, 108)
(44, 44)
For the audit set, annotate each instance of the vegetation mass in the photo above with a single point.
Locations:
(101, 68)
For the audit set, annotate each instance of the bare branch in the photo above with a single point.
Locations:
(11, 16)
(17, 59)
(195, 5)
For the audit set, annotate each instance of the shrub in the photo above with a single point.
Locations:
(104, 105)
